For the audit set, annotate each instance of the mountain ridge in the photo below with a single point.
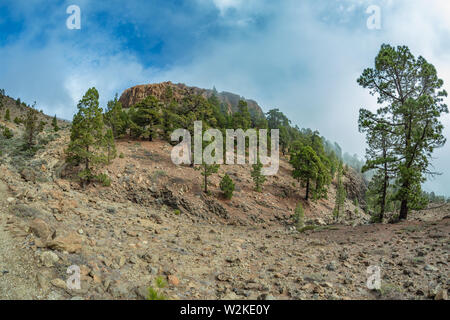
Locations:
(229, 100)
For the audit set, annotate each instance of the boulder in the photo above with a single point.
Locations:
(41, 229)
(70, 242)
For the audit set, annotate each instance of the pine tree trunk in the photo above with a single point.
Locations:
(87, 167)
(206, 182)
(404, 210)
(385, 186)
(307, 190)
(383, 201)
(406, 186)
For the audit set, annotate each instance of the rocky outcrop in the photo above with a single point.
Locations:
(138, 93)
(355, 186)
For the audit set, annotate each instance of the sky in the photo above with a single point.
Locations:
(302, 57)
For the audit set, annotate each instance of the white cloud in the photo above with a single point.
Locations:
(224, 5)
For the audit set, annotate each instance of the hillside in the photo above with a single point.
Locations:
(230, 101)
(154, 221)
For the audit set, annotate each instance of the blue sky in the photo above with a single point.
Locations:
(302, 57)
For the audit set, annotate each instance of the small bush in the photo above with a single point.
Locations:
(356, 203)
(227, 186)
(390, 290)
(7, 115)
(177, 212)
(17, 120)
(155, 294)
(299, 217)
(121, 155)
(375, 218)
(395, 218)
(104, 179)
(7, 133)
(157, 174)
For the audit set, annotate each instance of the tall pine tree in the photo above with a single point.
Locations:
(258, 177)
(412, 97)
(31, 127)
(86, 138)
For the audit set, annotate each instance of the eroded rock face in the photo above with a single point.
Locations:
(138, 93)
(355, 186)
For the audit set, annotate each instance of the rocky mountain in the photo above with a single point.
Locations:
(229, 100)
(154, 222)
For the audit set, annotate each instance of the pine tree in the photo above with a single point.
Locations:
(412, 98)
(276, 119)
(31, 127)
(86, 138)
(242, 118)
(308, 169)
(110, 146)
(41, 126)
(148, 116)
(380, 154)
(171, 119)
(206, 171)
(205, 168)
(218, 114)
(340, 194)
(227, 186)
(116, 118)
(135, 131)
(284, 139)
(55, 124)
(7, 115)
(258, 177)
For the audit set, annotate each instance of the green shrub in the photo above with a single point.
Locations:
(7, 133)
(17, 120)
(177, 212)
(227, 186)
(356, 203)
(375, 218)
(121, 155)
(299, 217)
(104, 179)
(155, 294)
(257, 176)
(157, 174)
(306, 228)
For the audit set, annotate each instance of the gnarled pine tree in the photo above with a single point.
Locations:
(412, 97)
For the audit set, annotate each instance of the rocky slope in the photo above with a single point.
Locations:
(154, 221)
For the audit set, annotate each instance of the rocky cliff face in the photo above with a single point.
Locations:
(138, 93)
(355, 186)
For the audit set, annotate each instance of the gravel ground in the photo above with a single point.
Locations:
(17, 265)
